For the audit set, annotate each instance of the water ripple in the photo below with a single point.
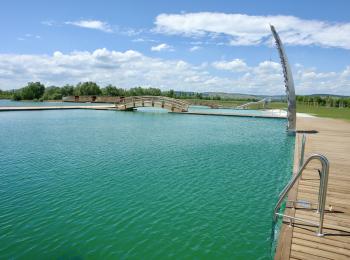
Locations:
(102, 184)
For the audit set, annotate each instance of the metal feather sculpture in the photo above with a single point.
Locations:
(289, 83)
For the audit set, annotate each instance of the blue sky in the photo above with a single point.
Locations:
(183, 45)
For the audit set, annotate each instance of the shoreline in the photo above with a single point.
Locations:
(112, 107)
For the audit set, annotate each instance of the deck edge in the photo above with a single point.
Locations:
(284, 242)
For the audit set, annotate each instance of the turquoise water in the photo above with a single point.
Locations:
(87, 184)
(260, 112)
(10, 103)
(202, 109)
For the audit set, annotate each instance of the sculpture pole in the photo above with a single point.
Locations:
(289, 83)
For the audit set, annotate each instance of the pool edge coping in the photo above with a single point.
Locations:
(284, 241)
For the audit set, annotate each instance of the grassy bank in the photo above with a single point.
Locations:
(332, 112)
(224, 103)
(321, 111)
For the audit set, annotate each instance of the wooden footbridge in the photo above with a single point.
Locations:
(172, 104)
(262, 102)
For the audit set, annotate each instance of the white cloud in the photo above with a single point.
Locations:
(130, 31)
(162, 47)
(28, 36)
(143, 40)
(125, 69)
(132, 68)
(236, 65)
(48, 23)
(253, 30)
(92, 24)
(139, 40)
(195, 48)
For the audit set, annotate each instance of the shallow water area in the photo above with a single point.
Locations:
(251, 112)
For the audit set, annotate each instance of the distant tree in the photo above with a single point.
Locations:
(299, 98)
(171, 93)
(67, 90)
(33, 90)
(137, 91)
(112, 91)
(5, 94)
(52, 93)
(199, 95)
(153, 92)
(17, 96)
(87, 89)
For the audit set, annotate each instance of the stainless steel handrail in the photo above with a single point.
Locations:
(322, 190)
(302, 151)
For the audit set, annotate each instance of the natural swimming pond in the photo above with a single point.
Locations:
(11, 103)
(105, 184)
(254, 112)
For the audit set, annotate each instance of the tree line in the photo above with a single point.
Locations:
(38, 92)
(324, 100)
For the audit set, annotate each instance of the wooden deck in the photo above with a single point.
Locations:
(300, 241)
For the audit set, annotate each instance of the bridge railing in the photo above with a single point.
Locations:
(164, 100)
(262, 101)
(151, 98)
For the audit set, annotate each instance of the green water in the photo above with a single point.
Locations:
(11, 103)
(87, 184)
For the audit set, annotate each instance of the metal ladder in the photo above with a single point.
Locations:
(322, 194)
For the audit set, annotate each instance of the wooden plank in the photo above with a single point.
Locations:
(323, 240)
(344, 239)
(301, 255)
(331, 251)
(316, 252)
(332, 140)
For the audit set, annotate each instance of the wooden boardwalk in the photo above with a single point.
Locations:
(300, 241)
